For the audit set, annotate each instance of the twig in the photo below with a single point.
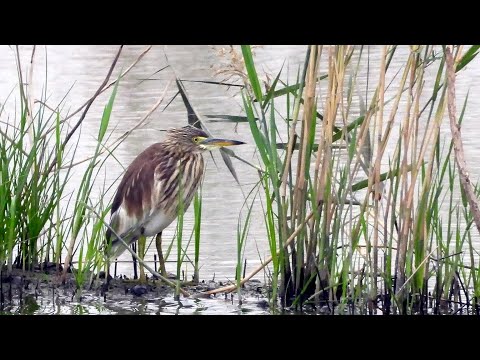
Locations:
(292, 237)
(142, 120)
(68, 258)
(12, 141)
(93, 97)
(232, 154)
(168, 282)
(121, 138)
(418, 268)
(89, 103)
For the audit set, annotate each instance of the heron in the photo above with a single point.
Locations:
(148, 197)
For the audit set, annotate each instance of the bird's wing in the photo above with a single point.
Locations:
(150, 185)
(133, 202)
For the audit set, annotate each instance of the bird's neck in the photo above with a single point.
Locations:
(176, 151)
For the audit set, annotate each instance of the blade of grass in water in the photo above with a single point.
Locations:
(197, 208)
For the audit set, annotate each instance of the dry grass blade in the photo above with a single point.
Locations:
(134, 254)
(291, 238)
(194, 119)
(376, 170)
(140, 57)
(89, 103)
(121, 138)
(428, 257)
(457, 141)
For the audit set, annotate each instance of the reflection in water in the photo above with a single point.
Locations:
(136, 306)
(30, 305)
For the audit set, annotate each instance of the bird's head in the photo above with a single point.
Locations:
(196, 140)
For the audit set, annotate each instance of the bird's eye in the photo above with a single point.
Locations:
(196, 139)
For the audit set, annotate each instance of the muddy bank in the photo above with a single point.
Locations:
(43, 293)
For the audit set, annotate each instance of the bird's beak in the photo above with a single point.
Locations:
(212, 143)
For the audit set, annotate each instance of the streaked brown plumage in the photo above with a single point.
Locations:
(147, 199)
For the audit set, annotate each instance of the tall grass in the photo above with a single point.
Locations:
(37, 163)
(179, 232)
(359, 187)
(383, 231)
(30, 193)
(197, 209)
(94, 237)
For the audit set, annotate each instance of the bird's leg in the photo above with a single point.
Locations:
(141, 254)
(134, 259)
(158, 243)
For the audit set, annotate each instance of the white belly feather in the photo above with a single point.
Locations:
(157, 222)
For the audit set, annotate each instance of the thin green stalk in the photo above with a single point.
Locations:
(197, 209)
